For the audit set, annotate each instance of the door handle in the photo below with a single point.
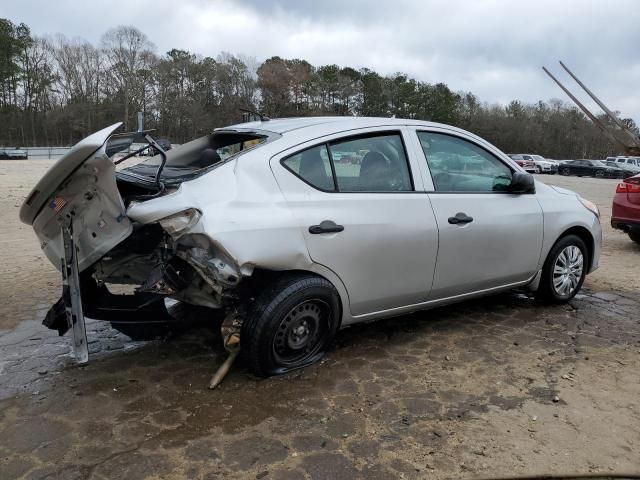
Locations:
(460, 218)
(326, 226)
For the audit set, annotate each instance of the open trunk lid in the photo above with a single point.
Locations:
(80, 187)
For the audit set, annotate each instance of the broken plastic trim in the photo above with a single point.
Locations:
(176, 224)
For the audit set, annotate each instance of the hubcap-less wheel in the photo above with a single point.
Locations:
(301, 332)
(567, 270)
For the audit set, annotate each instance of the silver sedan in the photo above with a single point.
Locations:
(298, 227)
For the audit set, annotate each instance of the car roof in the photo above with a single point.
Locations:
(283, 125)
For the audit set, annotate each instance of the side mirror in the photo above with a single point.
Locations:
(522, 183)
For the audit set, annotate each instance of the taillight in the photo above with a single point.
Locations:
(628, 187)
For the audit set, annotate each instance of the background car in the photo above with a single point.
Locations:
(526, 163)
(13, 154)
(589, 168)
(543, 165)
(628, 169)
(625, 212)
(625, 161)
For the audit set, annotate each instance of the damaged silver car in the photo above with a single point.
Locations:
(298, 227)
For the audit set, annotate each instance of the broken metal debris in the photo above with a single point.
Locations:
(230, 330)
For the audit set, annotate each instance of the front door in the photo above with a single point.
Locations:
(355, 201)
(488, 237)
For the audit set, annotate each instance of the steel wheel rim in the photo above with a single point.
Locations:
(301, 332)
(567, 270)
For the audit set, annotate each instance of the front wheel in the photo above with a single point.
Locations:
(564, 270)
(635, 236)
(538, 170)
(599, 174)
(565, 171)
(290, 325)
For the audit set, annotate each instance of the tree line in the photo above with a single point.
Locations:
(55, 90)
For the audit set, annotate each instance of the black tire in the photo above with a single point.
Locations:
(599, 174)
(290, 324)
(538, 171)
(546, 291)
(635, 236)
(565, 171)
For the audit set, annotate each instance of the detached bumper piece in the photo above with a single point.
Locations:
(81, 296)
(71, 294)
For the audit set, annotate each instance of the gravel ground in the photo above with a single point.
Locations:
(496, 386)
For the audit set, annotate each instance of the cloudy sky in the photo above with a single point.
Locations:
(493, 48)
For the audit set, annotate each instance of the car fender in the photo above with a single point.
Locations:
(562, 211)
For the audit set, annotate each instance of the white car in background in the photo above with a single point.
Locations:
(631, 164)
(13, 154)
(262, 221)
(543, 165)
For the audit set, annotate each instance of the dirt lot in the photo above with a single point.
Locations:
(492, 387)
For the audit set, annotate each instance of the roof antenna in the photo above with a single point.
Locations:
(262, 116)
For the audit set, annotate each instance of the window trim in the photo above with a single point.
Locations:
(473, 192)
(327, 144)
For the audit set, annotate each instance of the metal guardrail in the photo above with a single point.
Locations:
(53, 153)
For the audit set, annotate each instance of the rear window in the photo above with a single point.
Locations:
(199, 156)
(213, 149)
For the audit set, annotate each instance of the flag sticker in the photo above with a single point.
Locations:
(57, 204)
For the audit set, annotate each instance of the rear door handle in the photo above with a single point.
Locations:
(326, 226)
(460, 218)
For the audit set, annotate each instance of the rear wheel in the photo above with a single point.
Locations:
(290, 325)
(635, 236)
(564, 270)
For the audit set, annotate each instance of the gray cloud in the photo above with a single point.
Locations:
(492, 48)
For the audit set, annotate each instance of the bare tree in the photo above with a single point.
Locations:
(128, 52)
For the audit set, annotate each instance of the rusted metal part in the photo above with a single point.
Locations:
(230, 330)
(621, 135)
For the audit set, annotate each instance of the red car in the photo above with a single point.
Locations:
(525, 161)
(625, 214)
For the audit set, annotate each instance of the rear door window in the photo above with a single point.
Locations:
(367, 163)
(375, 163)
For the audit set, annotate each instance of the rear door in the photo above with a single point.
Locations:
(355, 199)
(488, 238)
